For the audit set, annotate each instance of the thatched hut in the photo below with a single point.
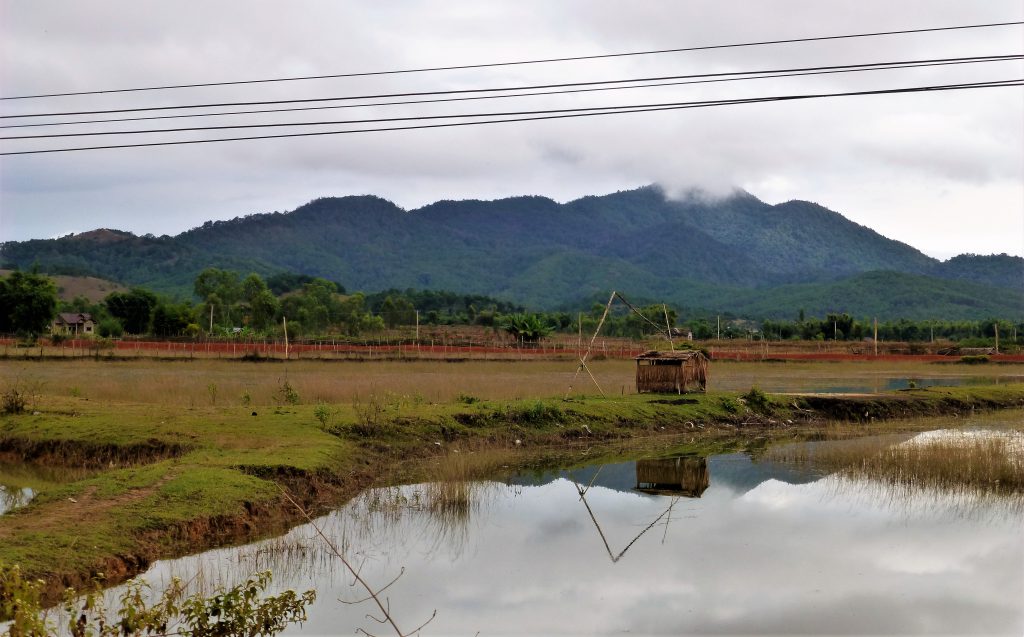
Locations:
(686, 476)
(671, 372)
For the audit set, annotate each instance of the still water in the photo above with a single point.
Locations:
(12, 496)
(727, 544)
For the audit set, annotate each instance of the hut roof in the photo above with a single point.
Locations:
(680, 355)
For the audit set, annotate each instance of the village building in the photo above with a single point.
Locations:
(675, 372)
(74, 323)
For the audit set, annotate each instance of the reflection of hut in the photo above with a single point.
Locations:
(673, 476)
(679, 372)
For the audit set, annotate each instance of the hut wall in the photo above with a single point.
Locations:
(677, 377)
(658, 378)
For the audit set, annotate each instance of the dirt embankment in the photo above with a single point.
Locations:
(86, 455)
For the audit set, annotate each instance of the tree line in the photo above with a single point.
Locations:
(228, 304)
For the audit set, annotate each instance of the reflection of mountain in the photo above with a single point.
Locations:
(620, 476)
(735, 471)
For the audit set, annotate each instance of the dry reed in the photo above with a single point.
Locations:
(954, 461)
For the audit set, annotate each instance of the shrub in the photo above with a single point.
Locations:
(757, 400)
(110, 328)
(287, 393)
(974, 360)
(729, 405)
(322, 414)
(17, 395)
(466, 399)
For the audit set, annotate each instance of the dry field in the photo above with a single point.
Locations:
(211, 382)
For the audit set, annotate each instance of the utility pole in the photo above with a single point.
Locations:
(211, 318)
(996, 325)
(417, 327)
(719, 328)
(876, 336)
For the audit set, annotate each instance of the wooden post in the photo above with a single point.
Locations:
(211, 318)
(996, 326)
(668, 329)
(284, 322)
(719, 337)
(579, 342)
(417, 326)
(876, 336)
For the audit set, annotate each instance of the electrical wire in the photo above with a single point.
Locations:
(378, 120)
(523, 62)
(887, 66)
(485, 90)
(950, 87)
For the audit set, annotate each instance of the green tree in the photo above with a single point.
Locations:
(28, 303)
(171, 319)
(134, 309)
(220, 290)
(397, 311)
(263, 306)
(528, 328)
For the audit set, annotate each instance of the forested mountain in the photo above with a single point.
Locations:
(697, 251)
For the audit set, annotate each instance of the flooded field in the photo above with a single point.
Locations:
(795, 538)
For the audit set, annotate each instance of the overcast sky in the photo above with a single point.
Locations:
(943, 172)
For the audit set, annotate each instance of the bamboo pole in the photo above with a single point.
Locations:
(668, 329)
(583, 359)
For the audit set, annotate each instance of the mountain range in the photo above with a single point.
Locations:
(734, 253)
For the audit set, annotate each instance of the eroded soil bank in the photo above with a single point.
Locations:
(178, 481)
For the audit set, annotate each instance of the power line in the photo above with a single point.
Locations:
(490, 89)
(381, 120)
(881, 66)
(971, 86)
(522, 62)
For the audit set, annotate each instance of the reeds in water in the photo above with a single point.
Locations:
(962, 461)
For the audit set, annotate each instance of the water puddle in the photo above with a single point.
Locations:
(682, 544)
(849, 383)
(12, 497)
(20, 482)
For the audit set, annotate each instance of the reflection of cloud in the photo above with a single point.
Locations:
(828, 556)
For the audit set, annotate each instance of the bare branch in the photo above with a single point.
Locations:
(337, 553)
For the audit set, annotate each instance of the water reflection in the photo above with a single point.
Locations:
(12, 497)
(857, 383)
(767, 547)
(685, 476)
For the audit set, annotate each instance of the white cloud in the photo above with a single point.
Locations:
(943, 172)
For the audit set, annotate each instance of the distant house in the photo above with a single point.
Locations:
(78, 324)
(671, 372)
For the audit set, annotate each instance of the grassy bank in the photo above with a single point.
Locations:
(165, 480)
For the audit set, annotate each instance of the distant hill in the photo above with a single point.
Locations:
(90, 287)
(728, 253)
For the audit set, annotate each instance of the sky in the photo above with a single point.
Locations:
(943, 172)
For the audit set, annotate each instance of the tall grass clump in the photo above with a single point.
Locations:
(985, 462)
